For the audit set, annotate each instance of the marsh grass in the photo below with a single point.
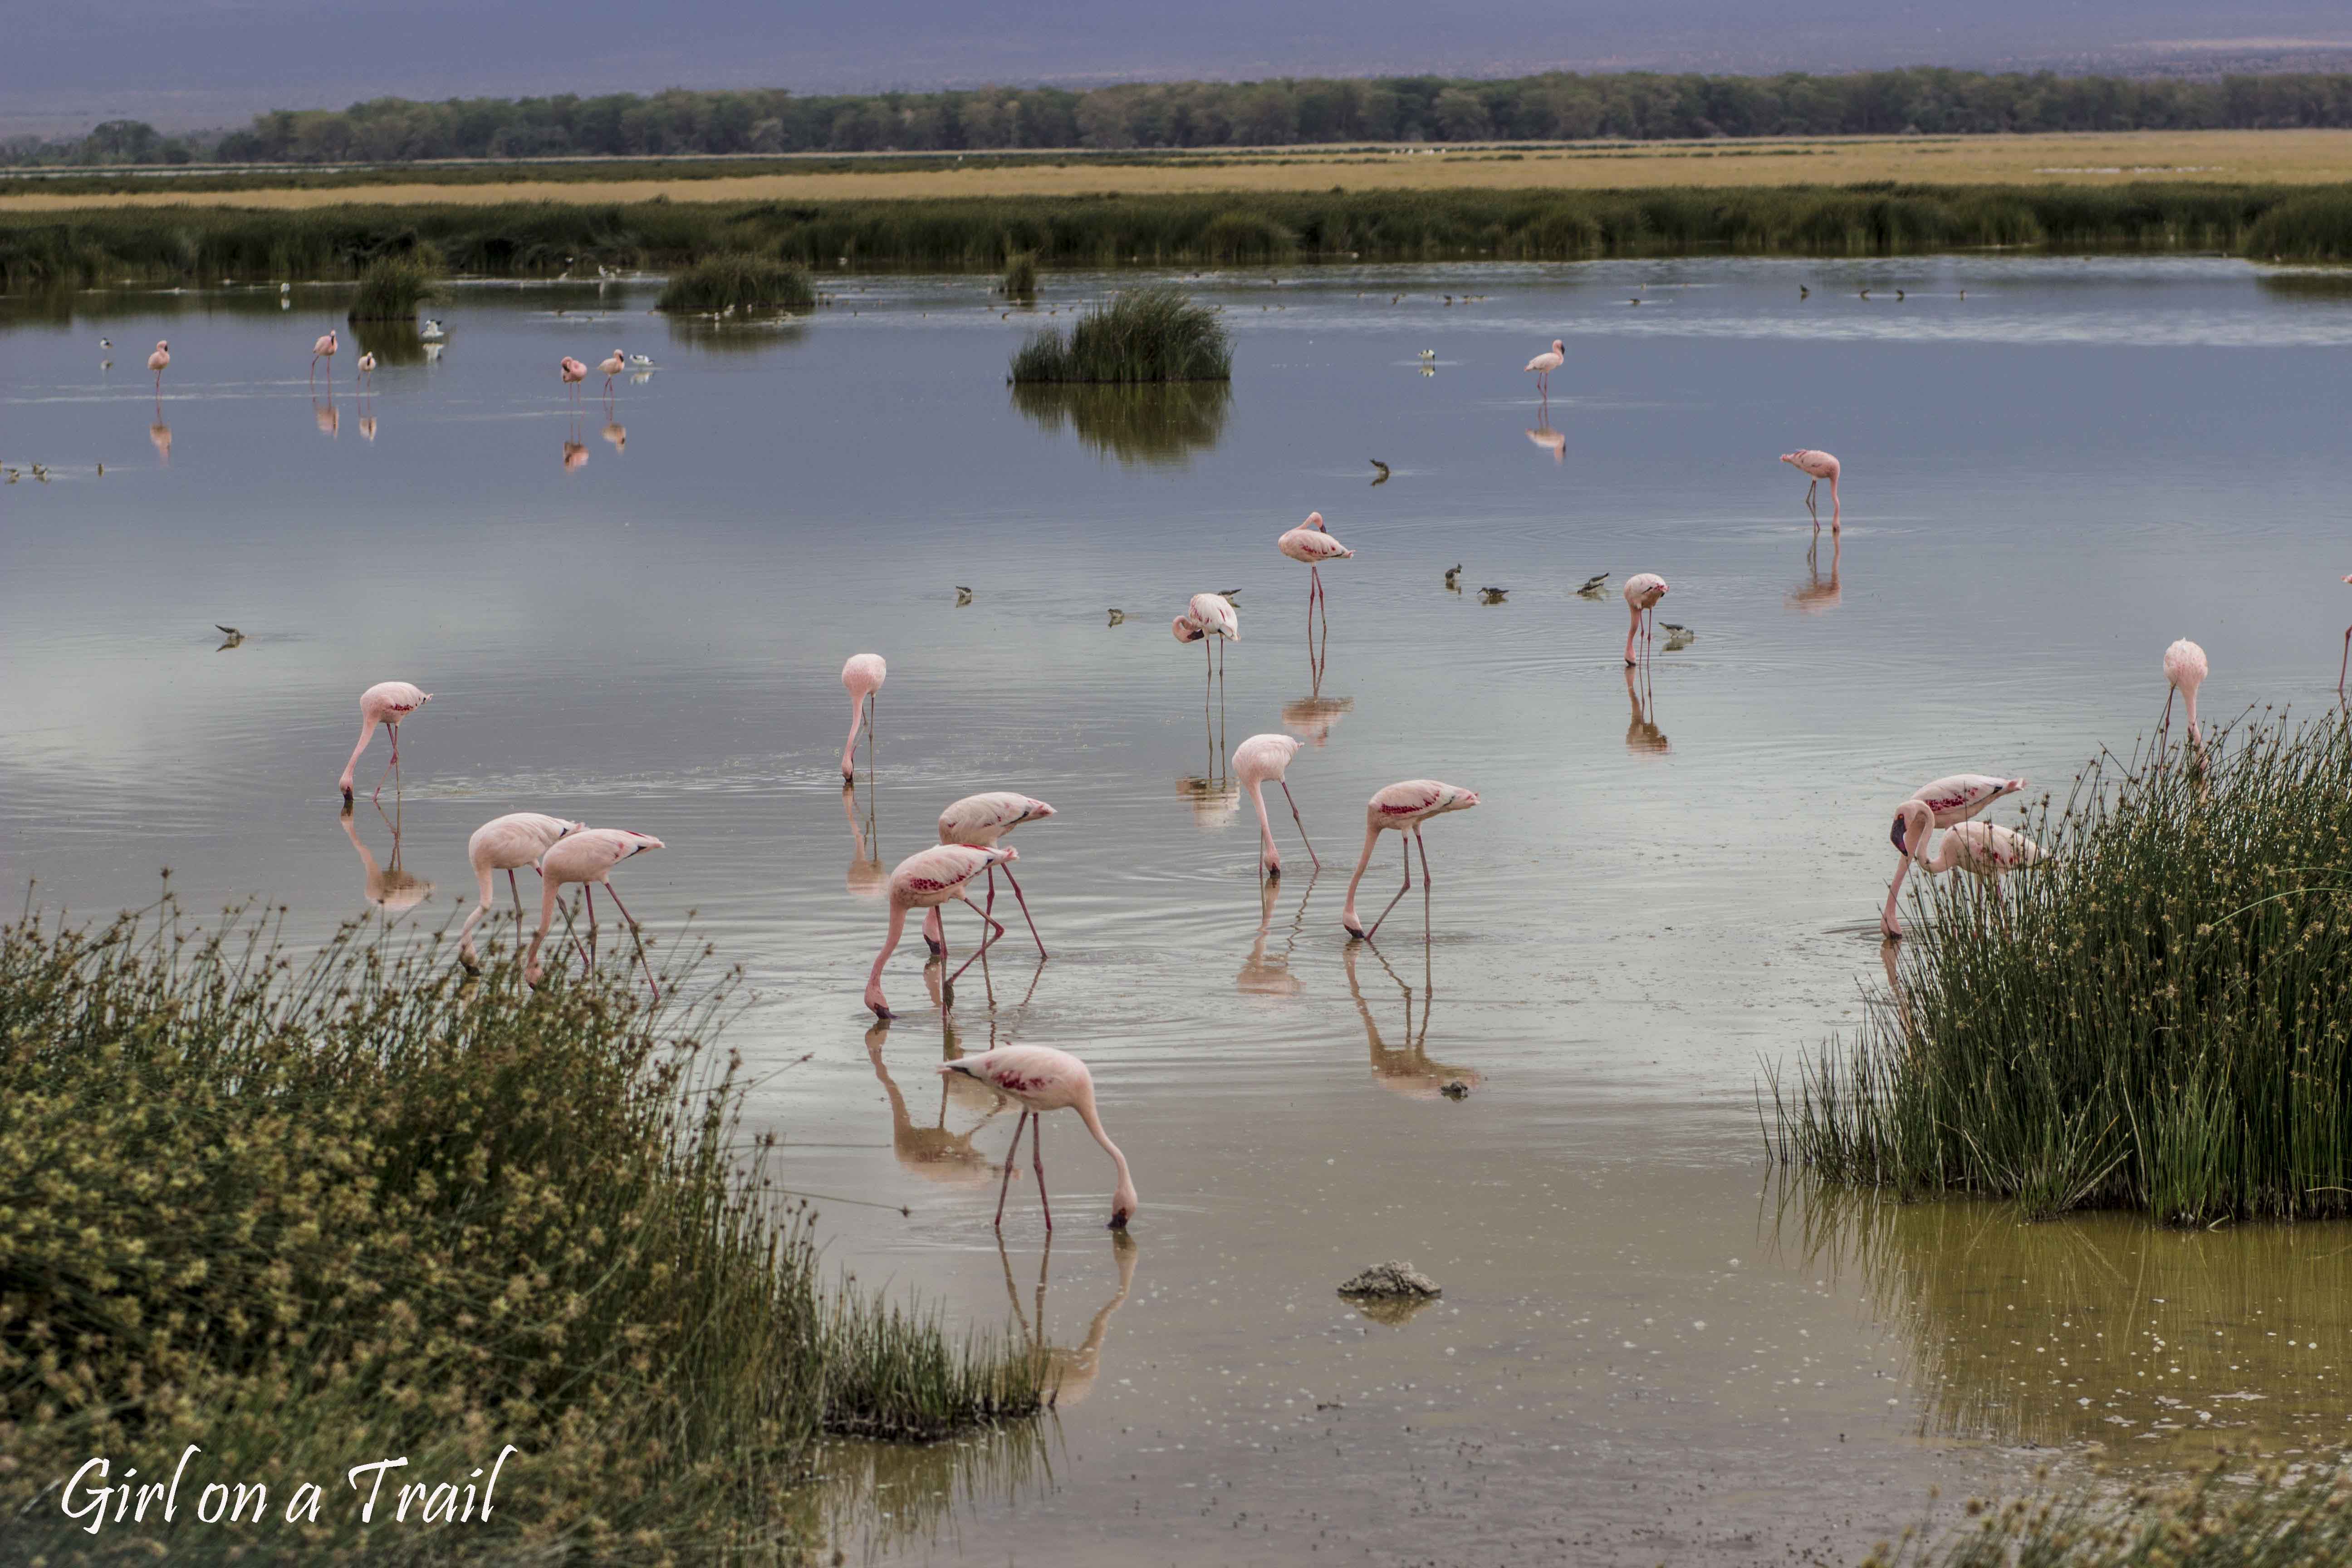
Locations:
(304, 1212)
(1020, 280)
(392, 287)
(2159, 1019)
(1140, 335)
(739, 282)
(1163, 424)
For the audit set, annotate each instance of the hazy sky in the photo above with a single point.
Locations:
(198, 62)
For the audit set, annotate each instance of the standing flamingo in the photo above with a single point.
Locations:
(1209, 615)
(863, 675)
(506, 844)
(613, 365)
(1818, 466)
(981, 820)
(324, 348)
(160, 360)
(1643, 591)
(1255, 761)
(1043, 1078)
(1312, 543)
(572, 372)
(1946, 803)
(1543, 364)
(366, 368)
(1405, 807)
(925, 880)
(2184, 671)
(385, 702)
(588, 856)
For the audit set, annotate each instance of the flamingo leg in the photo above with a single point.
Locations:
(574, 936)
(614, 894)
(390, 768)
(1310, 845)
(1010, 1154)
(987, 939)
(1024, 908)
(588, 896)
(1417, 844)
(935, 934)
(1037, 1161)
(1400, 892)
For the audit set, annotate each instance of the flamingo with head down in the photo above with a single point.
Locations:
(1041, 1079)
(1257, 760)
(1817, 466)
(1946, 803)
(1641, 591)
(587, 857)
(387, 702)
(863, 675)
(1403, 807)
(925, 880)
(982, 820)
(2184, 668)
(507, 843)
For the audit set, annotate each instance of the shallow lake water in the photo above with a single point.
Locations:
(635, 611)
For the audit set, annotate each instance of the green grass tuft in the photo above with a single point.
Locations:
(1020, 280)
(306, 1211)
(1151, 335)
(2159, 1019)
(392, 287)
(739, 283)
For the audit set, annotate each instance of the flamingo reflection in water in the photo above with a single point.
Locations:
(330, 417)
(1405, 1069)
(1815, 595)
(160, 435)
(1643, 735)
(389, 886)
(1550, 440)
(1266, 974)
(616, 435)
(866, 879)
(933, 1152)
(1070, 1372)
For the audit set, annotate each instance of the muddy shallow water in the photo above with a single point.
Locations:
(637, 613)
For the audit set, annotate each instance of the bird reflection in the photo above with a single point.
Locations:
(1406, 1070)
(1814, 595)
(933, 1152)
(1216, 795)
(1263, 975)
(1642, 731)
(1550, 440)
(330, 417)
(867, 878)
(575, 455)
(160, 434)
(616, 434)
(388, 887)
(367, 426)
(1071, 1371)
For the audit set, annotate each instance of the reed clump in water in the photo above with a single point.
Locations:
(1153, 335)
(308, 1213)
(739, 283)
(2159, 1018)
(392, 287)
(1020, 280)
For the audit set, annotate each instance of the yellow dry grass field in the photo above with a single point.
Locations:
(2233, 157)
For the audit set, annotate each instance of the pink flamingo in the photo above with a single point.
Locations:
(1981, 848)
(506, 844)
(366, 368)
(1255, 761)
(1210, 614)
(613, 366)
(1643, 591)
(588, 856)
(160, 360)
(1818, 466)
(1946, 803)
(572, 372)
(925, 880)
(981, 820)
(385, 702)
(324, 348)
(1312, 543)
(2184, 671)
(2347, 659)
(1405, 807)
(1043, 1078)
(863, 675)
(1543, 364)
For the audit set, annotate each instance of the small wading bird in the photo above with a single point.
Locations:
(387, 702)
(366, 368)
(572, 372)
(431, 331)
(642, 362)
(1946, 803)
(230, 636)
(507, 843)
(324, 348)
(980, 820)
(588, 856)
(1492, 595)
(159, 362)
(1041, 1079)
(1210, 616)
(1544, 363)
(1593, 585)
(925, 880)
(1453, 579)
(1118, 615)
(1678, 637)
(1312, 543)
(1817, 466)
(1258, 760)
(2184, 671)
(1382, 477)
(963, 595)
(1643, 591)
(613, 365)
(1403, 807)
(863, 675)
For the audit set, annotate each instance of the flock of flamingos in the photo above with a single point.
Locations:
(972, 830)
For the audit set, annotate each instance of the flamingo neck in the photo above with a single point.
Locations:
(367, 733)
(849, 747)
(1372, 837)
(1264, 828)
(1086, 1110)
(889, 944)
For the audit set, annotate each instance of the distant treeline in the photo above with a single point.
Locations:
(200, 245)
(1635, 106)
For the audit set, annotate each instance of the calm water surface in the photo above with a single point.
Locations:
(636, 614)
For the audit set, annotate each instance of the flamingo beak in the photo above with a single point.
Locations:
(1119, 1219)
(1898, 837)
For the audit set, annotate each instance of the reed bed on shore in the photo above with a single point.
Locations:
(2159, 1018)
(1138, 336)
(737, 281)
(201, 243)
(306, 1213)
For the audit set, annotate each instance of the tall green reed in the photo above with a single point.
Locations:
(1151, 335)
